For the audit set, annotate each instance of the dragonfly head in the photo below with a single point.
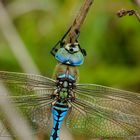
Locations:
(70, 54)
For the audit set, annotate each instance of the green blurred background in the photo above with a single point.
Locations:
(112, 43)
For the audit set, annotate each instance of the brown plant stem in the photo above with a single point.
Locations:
(75, 28)
(124, 12)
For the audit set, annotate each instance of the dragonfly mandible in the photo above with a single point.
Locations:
(86, 109)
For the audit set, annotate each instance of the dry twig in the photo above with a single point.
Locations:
(73, 32)
(124, 12)
(75, 28)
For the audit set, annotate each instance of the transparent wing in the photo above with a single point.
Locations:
(107, 92)
(26, 79)
(32, 95)
(104, 112)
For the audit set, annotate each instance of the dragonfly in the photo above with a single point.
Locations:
(90, 110)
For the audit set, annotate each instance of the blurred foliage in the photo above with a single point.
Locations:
(112, 44)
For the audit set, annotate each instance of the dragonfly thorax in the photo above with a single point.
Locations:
(66, 73)
(66, 79)
(63, 93)
(65, 88)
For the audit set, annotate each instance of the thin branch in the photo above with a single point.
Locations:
(24, 7)
(73, 32)
(15, 42)
(75, 28)
(124, 12)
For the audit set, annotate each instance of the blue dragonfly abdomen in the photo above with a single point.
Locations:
(59, 111)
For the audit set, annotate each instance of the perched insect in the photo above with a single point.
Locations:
(88, 109)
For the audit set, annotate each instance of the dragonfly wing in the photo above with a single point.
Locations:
(25, 79)
(37, 111)
(100, 111)
(125, 101)
(31, 94)
(94, 90)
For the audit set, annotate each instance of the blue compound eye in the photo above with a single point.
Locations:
(70, 54)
